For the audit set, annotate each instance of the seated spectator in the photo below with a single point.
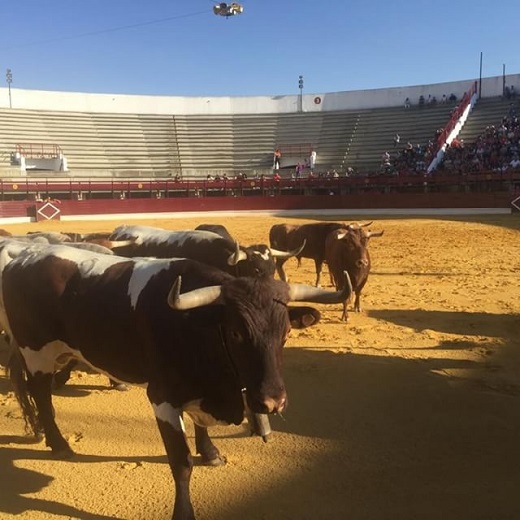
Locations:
(444, 99)
(421, 100)
(452, 98)
(407, 103)
(515, 162)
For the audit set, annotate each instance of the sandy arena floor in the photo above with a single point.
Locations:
(409, 412)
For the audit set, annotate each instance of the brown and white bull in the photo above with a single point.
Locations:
(346, 249)
(195, 335)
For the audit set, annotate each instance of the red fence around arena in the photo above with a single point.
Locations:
(74, 189)
(96, 197)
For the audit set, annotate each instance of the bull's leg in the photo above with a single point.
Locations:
(344, 315)
(357, 302)
(40, 388)
(63, 375)
(171, 428)
(318, 263)
(208, 451)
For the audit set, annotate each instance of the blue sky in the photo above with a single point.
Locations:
(169, 47)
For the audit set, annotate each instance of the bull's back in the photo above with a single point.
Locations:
(315, 236)
(280, 235)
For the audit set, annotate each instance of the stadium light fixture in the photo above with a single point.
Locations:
(9, 79)
(300, 86)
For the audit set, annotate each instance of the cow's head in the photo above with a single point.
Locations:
(255, 323)
(258, 259)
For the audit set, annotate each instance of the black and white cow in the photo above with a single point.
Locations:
(199, 338)
(204, 246)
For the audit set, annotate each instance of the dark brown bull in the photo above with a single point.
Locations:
(346, 249)
(287, 237)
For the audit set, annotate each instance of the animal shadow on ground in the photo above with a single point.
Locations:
(17, 481)
(383, 437)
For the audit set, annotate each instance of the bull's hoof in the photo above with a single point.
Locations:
(38, 436)
(120, 387)
(63, 454)
(219, 460)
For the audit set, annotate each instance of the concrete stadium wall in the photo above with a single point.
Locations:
(177, 105)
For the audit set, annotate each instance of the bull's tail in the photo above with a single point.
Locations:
(18, 376)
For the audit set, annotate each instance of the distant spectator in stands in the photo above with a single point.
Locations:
(397, 140)
(444, 99)
(512, 92)
(298, 170)
(407, 103)
(452, 98)
(312, 160)
(349, 172)
(277, 158)
(507, 93)
(515, 162)
(421, 100)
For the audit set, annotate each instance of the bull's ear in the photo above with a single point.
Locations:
(303, 317)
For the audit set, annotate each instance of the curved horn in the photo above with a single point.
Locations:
(236, 256)
(192, 299)
(375, 234)
(308, 293)
(276, 253)
(113, 244)
(366, 224)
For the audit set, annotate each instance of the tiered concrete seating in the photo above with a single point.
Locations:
(376, 128)
(486, 112)
(194, 145)
(96, 144)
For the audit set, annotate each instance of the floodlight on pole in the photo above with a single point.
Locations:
(9, 79)
(300, 86)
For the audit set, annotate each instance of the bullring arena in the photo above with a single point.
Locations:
(409, 411)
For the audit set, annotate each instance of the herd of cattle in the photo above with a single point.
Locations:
(193, 315)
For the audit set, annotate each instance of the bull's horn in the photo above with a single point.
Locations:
(308, 293)
(121, 243)
(192, 299)
(341, 235)
(375, 234)
(237, 256)
(366, 224)
(276, 253)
